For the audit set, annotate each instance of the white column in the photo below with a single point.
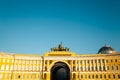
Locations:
(76, 65)
(79, 64)
(105, 65)
(83, 65)
(71, 65)
(47, 65)
(97, 65)
(101, 63)
(90, 65)
(94, 65)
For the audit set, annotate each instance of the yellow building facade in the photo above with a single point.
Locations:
(61, 64)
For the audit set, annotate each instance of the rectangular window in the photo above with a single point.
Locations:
(106, 61)
(116, 67)
(88, 61)
(111, 60)
(101, 76)
(104, 75)
(113, 76)
(74, 76)
(103, 61)
(112, 67)
(95, 61)
(109, 76)
(73, 62)
(96, 76)
(92, 68)
(91, 61)
(100, 68)
(99, 61)
(107, 67)
(81, 76)
(93, 76)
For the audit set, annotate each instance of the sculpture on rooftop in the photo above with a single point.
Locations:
(60, 48)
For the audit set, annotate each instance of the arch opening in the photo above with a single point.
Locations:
(60, 71)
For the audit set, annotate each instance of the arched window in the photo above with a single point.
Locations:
(93, 76)
(109, 76)
(81, 76)
(118, 76)
(89, 76)
(45, 76)
(18, 76)
(104, 75)
(100, 75)
(113, 76)
(96, 76)
(112, 67)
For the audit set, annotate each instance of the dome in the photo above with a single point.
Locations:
(106, 50)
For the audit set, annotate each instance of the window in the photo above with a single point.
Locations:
(109, 76)
(111, 60)
(81, 76)
(89, 76)
(96, 67)
(50, 61)
(96, 76)
(100, 68)
(69, 61)
(45, 68)
(118, 76)
(115, 60)
(104, 76)
(113, 76)
(18, 76)
(91, 61)
(88, 62)
(107, 61)
(95, 61)
(112, 67)
(73, 76)
(103, 68)
(103, 60)
(92, 68)
(93, 76)
(100, 75)
(73, 62)
(107, 67)
(81, 62)
(99, 61)
(45, 76)
(73, 68)
(45, 62)
(116, 67)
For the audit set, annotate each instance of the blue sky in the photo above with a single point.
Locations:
(34, 26)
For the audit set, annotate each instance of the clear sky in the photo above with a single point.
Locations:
(34, 26)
